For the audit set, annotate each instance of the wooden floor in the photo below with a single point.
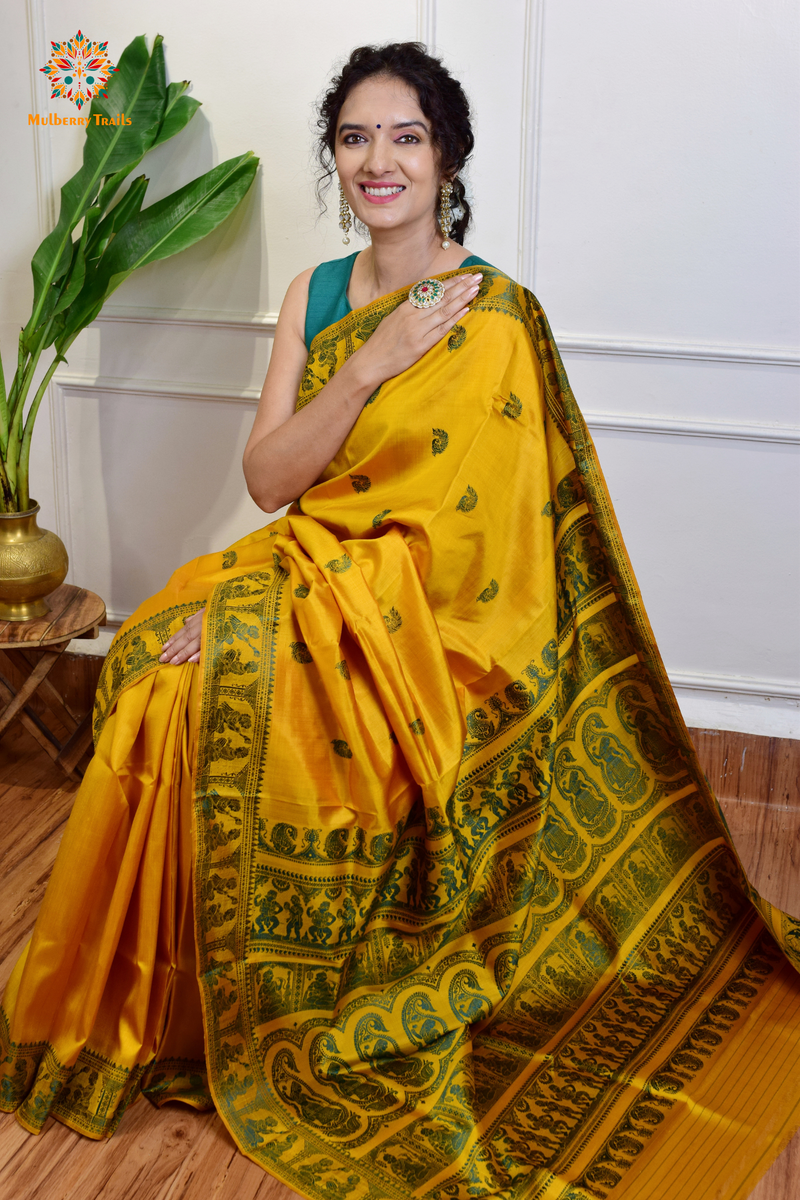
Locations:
(177, 1154)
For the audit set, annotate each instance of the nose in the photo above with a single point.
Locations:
(380, 157)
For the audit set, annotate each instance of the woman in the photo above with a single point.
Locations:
(461, 907)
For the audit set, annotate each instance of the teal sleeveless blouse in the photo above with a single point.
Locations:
(327, 292)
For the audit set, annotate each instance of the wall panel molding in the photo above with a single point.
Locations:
(426, 23)
(621, 422)
(168, 389)
(674, 426)
(38, 47)
(775, 356)
(569, 343)
(65, 385)
(530, 121)
(737, 685)
(259, 322)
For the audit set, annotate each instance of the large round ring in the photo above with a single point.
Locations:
(426, 293)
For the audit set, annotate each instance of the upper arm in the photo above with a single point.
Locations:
(287, 362)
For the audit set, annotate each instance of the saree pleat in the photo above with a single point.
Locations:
(95, 979)
(456, 914)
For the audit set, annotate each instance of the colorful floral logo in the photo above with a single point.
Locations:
(78, 69)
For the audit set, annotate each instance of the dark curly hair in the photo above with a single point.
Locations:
(441, 98)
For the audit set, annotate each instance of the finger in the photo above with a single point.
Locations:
(191, 628)
(184, 654)
(443, 316)
(195, 658)
(177, 645)
(461, 297)
(459, 282)
(446, 326)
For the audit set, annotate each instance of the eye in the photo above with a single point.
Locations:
(350, 139)
(409, 137)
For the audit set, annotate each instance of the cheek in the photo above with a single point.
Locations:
(423, 169)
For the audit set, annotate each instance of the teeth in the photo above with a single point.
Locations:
(381, 191)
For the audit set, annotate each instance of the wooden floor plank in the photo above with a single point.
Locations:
(746, 767)
(175, 1153)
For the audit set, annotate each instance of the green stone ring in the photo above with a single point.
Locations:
(426, 293)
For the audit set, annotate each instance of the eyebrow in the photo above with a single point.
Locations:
(400, 125)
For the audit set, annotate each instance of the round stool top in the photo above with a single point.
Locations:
(74, 612)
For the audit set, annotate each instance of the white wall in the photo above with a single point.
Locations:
(636, 165)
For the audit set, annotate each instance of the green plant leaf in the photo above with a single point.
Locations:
(180, 220)
(128, 207)
(136, 89)
(76, 276)
(165, 228)
(178, 112)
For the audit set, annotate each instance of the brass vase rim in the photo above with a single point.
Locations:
(29, 512)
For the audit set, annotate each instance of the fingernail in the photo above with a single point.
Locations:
(479, 276)
(163, 658)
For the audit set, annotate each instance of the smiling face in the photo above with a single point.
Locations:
(385, 156)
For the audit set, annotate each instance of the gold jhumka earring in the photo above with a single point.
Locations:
(446, 213)
(345, 216)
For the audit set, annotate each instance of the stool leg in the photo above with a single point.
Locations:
(74, 750)
(24, 662)
(34, 725)
(39, 672)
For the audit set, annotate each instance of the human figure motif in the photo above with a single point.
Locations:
(644, 879)
(268, 910)
(574, 576)
(347, 915)
(619, 768)
(590, 806)
(320, 991)
(294, 917)
(559, 838)
(593, 950)
(321, 920)
(401, 957)
(449, 881)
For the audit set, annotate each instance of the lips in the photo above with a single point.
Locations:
(382, 193)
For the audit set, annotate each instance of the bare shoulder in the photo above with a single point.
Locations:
(295, 303)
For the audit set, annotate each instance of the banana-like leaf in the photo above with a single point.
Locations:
(128, 207)
(76, 276)
(180, 220)
(178, 111)
(137, 90)
(165, 228)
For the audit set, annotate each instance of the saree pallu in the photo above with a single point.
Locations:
(455, 913)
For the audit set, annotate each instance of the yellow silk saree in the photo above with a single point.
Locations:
(416, 877)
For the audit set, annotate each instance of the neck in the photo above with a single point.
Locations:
(398, 258)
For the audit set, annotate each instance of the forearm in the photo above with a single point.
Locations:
(290, 458)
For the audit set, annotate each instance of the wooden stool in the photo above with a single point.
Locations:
(34, 648)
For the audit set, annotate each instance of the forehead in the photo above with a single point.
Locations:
(381, 99)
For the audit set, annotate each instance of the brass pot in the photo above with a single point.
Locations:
(33, 563)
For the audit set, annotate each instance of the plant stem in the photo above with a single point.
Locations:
(3, 409)
(23, 495)
(16, 384)
(12, 455)
(6, 495)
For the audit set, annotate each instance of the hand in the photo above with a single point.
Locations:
(406, 334)
(184, 646)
